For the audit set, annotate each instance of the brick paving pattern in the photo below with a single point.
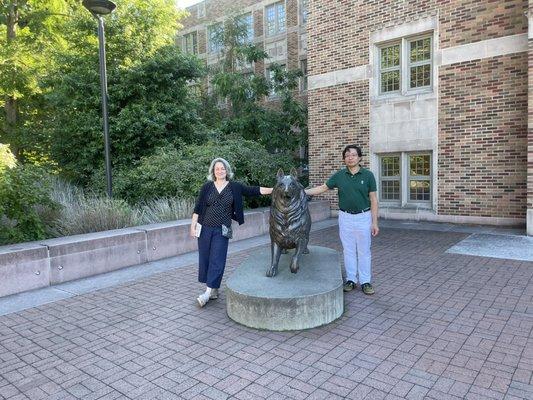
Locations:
(441, 326)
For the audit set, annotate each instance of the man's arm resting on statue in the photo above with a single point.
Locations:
(317, 190)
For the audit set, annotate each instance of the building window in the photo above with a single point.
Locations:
(405, 65)
(270, 78)
(390, 178)
(419, 63)
(214, 38)
(275, 18)
(419, 178)
(190, 43)
(303, 79)
(389, 61)
(247, 23)
(249, 79)
(201, 10)
(304, 10)
(405, 179)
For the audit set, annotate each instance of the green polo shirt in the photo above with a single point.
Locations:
(353, 189)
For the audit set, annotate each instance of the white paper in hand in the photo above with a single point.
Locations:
(198, 230)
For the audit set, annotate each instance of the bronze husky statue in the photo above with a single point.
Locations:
(290, 220)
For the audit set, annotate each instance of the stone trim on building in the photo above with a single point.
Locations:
(451, 55)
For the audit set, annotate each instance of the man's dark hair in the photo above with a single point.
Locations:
(352, 146)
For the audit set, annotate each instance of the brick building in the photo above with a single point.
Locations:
(278, 27)
(436, 92)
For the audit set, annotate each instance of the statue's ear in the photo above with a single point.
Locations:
(280, 174)
(294, 173)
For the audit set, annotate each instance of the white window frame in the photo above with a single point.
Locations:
(390, 69)
(193, 34)
(250, 32)
(389, 178)
(405, 65)
(303, 11)
(303, 79)
(408, 65)
(405, 178)
(219, 47)
(200, 10)
(272, 94)
(277, 30)
(418, 178)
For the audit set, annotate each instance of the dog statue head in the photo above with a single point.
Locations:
(287, 185)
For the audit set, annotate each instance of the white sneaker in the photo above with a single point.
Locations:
(202, 299)
(214, 294)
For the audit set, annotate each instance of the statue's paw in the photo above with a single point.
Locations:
(272, 271)
(294, 268)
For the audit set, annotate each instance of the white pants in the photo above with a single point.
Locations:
(355, 234)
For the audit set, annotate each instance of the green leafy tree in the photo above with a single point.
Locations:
(245, 113)
(24, 203)
(29, 31)
(150, 107)
(148, 82)
(7, 159)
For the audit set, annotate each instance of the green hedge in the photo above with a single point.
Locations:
(180, 173)
(25, 204)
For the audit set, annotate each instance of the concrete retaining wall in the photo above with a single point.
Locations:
(36, 265)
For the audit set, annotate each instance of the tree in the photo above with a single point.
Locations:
(150, 107)
(150, 102)
(244, 112)
(29, 30)
(7, 159)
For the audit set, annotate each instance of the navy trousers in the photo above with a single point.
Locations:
(212, 251)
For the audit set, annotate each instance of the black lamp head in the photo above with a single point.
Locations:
(99, 7)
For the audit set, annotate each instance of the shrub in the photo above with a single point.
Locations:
(86, 213)
(166, 209)
(180, 173)
(25, 204)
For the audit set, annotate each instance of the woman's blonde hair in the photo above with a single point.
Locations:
(211, 172)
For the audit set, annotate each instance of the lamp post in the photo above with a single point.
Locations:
(97, 9)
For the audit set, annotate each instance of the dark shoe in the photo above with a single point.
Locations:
(214, 294)
(349, 286)
(367, 288)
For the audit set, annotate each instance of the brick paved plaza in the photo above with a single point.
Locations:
(441, 326)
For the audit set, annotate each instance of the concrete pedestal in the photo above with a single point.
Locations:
(309, 298)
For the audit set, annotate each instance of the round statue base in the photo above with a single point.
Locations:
(312, 297)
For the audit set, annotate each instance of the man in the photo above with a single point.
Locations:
(358, 216)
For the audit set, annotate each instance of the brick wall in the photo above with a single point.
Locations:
(471, 21)
(215, 9)
(482, 117)
(530, 128)
(339, 117)
(530, 132)
(482, 137)
(338, 29)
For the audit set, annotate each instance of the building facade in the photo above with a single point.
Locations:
(278, 27)
(437, 94)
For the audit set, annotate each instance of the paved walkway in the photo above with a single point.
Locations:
(442, 325)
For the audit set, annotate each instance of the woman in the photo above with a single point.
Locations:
(220, 201)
